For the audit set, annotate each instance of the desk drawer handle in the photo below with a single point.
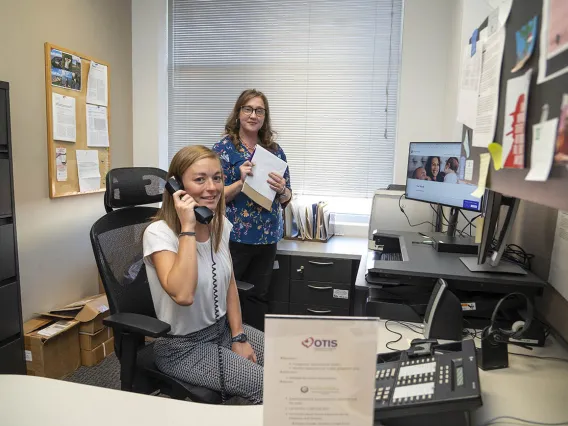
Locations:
(313, 262)
(314, 311)
(315, 287)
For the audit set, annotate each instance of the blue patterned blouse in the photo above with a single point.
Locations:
(251, 223)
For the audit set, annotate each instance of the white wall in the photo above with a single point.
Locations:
(433, 32)
(150, 83)
(56, 260)
(426, 81)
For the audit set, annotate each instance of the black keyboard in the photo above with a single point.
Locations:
(392, 256)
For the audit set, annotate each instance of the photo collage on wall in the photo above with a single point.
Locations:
(65, 70)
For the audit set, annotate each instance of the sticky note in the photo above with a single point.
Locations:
(484, 160)
(478, 229)
(474, 41)
(496, 152)
(466, 144)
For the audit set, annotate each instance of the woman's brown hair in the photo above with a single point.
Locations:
(266, 135)
(182, 161)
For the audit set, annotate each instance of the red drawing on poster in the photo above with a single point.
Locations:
(516, 157)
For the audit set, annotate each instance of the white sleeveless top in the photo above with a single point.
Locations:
(201, 314)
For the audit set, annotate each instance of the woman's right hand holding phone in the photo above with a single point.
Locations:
(185, 205)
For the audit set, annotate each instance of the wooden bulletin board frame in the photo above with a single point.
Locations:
(71, 185)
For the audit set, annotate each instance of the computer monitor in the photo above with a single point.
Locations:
(436, 174)
(495, 236)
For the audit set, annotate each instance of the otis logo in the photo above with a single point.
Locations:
(319, 343)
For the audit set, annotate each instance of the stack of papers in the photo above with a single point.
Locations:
(309, 221)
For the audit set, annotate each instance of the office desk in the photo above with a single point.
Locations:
(426, 264)
(425, 261)
(530, 388)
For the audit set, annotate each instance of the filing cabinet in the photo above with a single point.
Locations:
(11, 335)
(312, 286)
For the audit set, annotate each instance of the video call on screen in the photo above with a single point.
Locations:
(436, 174)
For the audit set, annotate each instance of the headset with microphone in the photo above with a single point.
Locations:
(499, 335)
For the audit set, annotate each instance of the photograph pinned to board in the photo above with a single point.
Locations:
(525, 38)
(65, 70)
(61, 163)
(516, 101)
(97, 84)
(553, 40)
(561, 151)
(64, 119)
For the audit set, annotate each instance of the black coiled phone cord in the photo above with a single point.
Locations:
(219, 325)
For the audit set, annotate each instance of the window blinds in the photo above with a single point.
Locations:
(329, 69)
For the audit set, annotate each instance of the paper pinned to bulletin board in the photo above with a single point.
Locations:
(78, 122)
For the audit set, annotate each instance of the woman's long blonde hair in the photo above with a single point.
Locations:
(182, 161)
(266, 135)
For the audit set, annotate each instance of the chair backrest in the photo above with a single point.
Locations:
(117, 237)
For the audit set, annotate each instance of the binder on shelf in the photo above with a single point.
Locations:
(308, 221)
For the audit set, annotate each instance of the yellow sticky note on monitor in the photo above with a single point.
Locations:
(478, 229)
(496, 152)
(484, 160)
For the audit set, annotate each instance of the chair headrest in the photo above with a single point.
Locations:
(134, 186)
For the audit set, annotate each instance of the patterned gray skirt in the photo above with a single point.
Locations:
(194, 359)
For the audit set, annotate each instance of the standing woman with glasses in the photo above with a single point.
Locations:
(256, 231)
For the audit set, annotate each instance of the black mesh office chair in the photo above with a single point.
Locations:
(117, 244)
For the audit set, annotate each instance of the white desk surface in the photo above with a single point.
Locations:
(533, 389)
(337, 247)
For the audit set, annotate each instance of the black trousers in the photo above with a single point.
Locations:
(253, 264)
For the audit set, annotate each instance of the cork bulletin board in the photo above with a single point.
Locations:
(68, 90)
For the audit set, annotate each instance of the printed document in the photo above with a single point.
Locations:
(97, 84)
(484, 131)
(97, 126)
(88, 168)
(64, 120)
(256, 186)
(542, 150)
(319, 371)
(469, 86)
(558, 266)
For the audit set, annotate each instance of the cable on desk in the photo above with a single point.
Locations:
(410, 326)
(516, 254)
(553, 358)
(496, 420)
(395, 332)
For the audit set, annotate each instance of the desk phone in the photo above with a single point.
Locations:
(429, 384)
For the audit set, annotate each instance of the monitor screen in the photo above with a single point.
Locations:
(436, 174)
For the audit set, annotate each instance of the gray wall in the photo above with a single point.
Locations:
(56, 260)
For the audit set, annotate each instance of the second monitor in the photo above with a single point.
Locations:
(436, 174)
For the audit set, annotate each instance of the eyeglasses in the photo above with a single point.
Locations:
(258, 111)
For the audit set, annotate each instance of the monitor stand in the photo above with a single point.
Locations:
(502, 268)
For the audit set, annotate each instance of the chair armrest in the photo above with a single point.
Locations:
(243, 286)
(138, 324)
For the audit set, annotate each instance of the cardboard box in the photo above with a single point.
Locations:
(90, 358)
(89, 342)
(90, 312)
(51, 347)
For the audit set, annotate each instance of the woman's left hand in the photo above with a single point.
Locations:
(277, 182)
(245, 350)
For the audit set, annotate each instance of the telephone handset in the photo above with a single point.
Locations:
(202, 214)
